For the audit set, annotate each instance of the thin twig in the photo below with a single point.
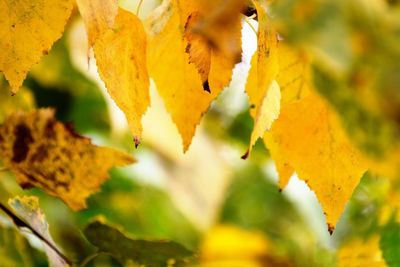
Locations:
(20, 223)
(138, 7)
(248, 22)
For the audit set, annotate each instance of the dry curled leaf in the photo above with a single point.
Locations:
(28, 29)
(45, 153)
(187, 80)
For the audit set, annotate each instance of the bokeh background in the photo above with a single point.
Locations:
(186, 197)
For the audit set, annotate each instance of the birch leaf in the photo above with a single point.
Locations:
(263, 91)
(177, 71)
(309, 137)
(28, 29)
(42, 152)
(98, 15)
(121, 59)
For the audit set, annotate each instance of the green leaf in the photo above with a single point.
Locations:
(390, 243)
(16, 251)
(127, 250)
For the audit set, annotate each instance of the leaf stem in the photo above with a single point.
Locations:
(248, 22)
(20, 223)
(138, 7)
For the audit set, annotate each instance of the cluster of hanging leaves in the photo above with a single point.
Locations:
(326, 107)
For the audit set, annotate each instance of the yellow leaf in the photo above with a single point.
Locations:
(220, 25)
(263, 91)
(42, 152)
(224, 246)
(359, 253)
(98, 15)
(294, 79)
(180, 72)
(214, 59)
(198, 49)
(28, 29)
(308, 137)
(121, 59)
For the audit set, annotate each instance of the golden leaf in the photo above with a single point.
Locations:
(179, 73)
(294, 79)
(224, 246)
(28, 29)
(308, 137)
(121, 59)
(263, 91)
(220, 25)
(42, 152)
(98, 15)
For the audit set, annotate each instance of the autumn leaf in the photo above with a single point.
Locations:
(42, 152)
(221, 24)
(224, 246)
(374, 133)
(98, 15)
(121, 59)
(214, 59)
(27, 207)
(140, 251)
(261, 87)
(294, 79)
(309, 138)
(187, 78)
(28, 29)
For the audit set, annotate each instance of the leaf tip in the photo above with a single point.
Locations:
(136, 139)
(331, 228)
(246, 155)
(206, 87)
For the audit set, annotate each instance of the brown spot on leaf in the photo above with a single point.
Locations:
(137, 141)
(206, 86)
(22, 142)
(26, 185)
(71, 130)
(187, 50)
(41, 154)
(49, 131)
(245, 156)
(331, 228)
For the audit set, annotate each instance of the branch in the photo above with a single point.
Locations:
(20, 223)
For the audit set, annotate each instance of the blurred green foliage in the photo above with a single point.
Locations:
(357, 71)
